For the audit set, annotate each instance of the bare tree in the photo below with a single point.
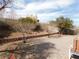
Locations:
(4, 4)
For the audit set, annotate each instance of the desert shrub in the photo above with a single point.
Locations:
(27, 24)
(5, 29)
(28, 20)
(68, 31)
(64, 22)
(38, 28)
(65, 25)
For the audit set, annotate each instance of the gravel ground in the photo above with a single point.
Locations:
(61, 44)
(51, 48)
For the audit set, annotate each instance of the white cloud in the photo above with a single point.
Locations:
(34, 7)
(76, 15)
(45, 17)
(47, 4)
(51, 4)
(19, 3)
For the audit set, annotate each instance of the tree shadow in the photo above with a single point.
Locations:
(36, 51)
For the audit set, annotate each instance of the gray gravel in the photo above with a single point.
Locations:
(62, 45)
(51, 48)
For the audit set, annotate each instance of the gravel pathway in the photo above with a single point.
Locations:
(62, 46)
(50, 48)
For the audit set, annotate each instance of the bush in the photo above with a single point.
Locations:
(38, 28)
(65, 25)
(5, 29)
(28, 20)
(64, 22)
(68, 31)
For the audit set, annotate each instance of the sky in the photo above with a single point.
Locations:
(47, 10)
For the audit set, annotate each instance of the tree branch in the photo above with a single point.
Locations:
(4, 3)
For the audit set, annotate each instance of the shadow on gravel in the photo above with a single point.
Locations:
(36, 51)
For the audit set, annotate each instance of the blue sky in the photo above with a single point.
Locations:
(47, 10)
